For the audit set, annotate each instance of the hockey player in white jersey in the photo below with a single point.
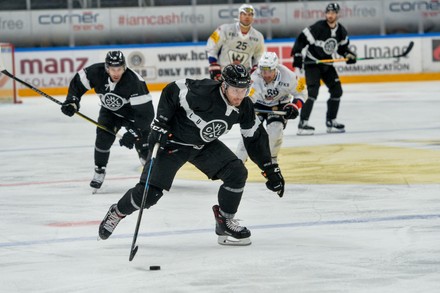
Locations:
(274, 88)
(235, 43)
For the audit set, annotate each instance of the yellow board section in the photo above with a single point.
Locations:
(391, 78)
(349, 164)
(62, 91)
(6, 95)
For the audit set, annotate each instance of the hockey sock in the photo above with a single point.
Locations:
(307, 108)
(332, 108)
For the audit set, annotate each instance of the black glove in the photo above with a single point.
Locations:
(215, 71)
(297, 60)
(291, 111)
(351, 58)
(141, 146)
(70, 106)
(158, 134)
(275, 180)
(129, 138)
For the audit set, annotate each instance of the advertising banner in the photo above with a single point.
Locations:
(431, 53)
(56, 27)
(381, 49)
(377, 48)
(416, 16)
(15, 28)
(45, 28)
(435, 50)
(163, 64)
(154, 25)
(289, 19)
(54, 68)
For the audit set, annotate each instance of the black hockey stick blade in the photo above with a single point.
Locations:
(133, 253)
(328, 61)
(403, 54)
(410, 46)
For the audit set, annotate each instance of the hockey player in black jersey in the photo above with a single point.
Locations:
(125, 102)
(323, 38)
(191, 116)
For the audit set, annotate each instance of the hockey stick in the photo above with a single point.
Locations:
(403, 54)
(7, 73)
(134, 247)
(270, 112)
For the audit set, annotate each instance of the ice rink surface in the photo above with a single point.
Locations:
(327, 234)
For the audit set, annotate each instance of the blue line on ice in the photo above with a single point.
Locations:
(210, 230)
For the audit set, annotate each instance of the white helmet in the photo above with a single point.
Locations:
(269, 60)
(246, 8)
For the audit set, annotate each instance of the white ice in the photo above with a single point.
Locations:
(318, 238)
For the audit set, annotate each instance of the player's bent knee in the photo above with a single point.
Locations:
(153, 196)
(336, 91)
(234, 174)
(105, 141)
(275, 129)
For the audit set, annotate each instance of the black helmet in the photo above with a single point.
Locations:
(332, 7)
(115, 59)
(236, 75)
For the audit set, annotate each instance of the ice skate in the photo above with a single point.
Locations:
(334, 127)
(111, 220)
(98, 179)
(229, 231)
(304, 128)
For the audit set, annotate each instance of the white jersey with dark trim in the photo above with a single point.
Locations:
(279, 91)
(229, 45)
(198, 113)
(128, 98)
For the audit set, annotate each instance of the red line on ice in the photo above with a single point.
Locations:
(60, 181)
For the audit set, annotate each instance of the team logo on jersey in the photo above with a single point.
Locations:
(238, 57)
(213, 130)
(330, 46)
(112, 101)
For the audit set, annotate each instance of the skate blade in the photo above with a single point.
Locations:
(95, 190)
(226, 240)
(305, 132)
(333, 130)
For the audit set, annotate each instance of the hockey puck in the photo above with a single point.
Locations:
(154, 268)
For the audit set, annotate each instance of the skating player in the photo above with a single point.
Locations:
(323, 38)
(191, 116)
(235, 43)
(274, 88)
(125, 102)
